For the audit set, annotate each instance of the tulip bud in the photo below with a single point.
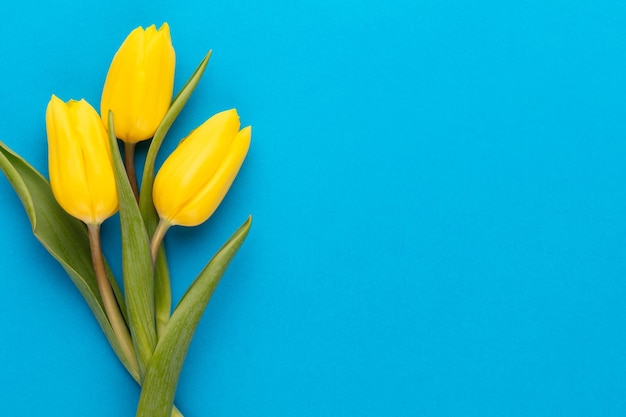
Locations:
(140, 83)
(79, 159)
(195, 178)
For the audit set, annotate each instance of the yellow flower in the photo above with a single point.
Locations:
(195, 178)
(139, 84)
(79, 159)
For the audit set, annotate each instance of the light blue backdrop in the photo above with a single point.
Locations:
(439, 199)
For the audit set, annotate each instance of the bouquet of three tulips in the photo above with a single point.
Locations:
(89, 182)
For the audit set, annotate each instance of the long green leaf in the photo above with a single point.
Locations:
(147, 180)
(136, 262)
(162, 288)
(159, 385)
(63, 236)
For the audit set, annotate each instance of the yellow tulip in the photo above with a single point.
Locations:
(195, 178)
(139, 84)
(79, 159)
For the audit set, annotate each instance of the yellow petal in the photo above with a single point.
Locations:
(97, 160)
(204, 203)
(192, 164)
(140, 83)
(81, 172)
(65, 161)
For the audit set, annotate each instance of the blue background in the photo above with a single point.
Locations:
(439, 199)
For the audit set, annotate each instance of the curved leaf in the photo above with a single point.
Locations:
(161, 379)
(63, 236)
(136, 262)
(147, 180)
(162, 289)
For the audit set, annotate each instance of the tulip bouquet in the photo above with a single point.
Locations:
(89, 182)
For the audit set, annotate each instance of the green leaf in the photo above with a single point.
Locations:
(147, 180)
(159, 385)
(62, 235)
(163, 292)
(136, 262)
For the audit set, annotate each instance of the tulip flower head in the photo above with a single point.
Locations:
(79, 159)
(140, 83)
(195, 178)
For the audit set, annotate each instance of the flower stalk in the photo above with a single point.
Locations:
(108, 298)
(157, 238)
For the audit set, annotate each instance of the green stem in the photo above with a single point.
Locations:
(157, 238)
(108, 298)
(129, 164)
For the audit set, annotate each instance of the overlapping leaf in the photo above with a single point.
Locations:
(162, 289)
(161, 379)
(62, 235)
(136, 262)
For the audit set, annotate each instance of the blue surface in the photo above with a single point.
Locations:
(439, 201)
